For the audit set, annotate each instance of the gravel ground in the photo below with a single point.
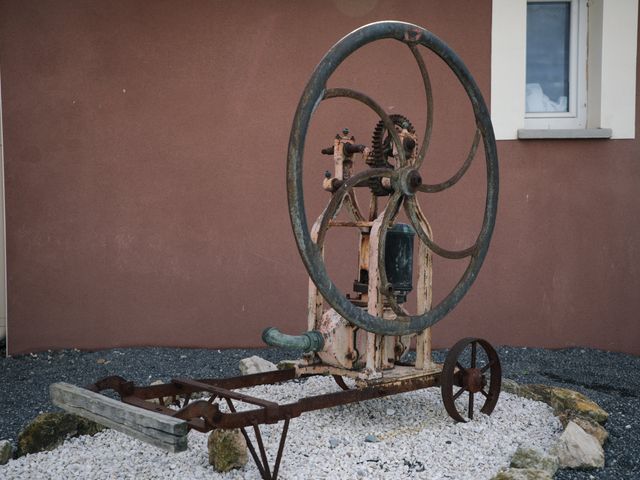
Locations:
(610, 379)
(414, 439)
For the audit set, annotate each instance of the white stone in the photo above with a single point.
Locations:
(255, 364)
(577, 449)
(419, 441)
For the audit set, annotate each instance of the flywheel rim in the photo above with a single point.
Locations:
(310, 253)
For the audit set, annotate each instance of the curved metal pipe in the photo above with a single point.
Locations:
(311, 341)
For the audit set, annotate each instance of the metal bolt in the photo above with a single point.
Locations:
(414, 179)
(327, 174)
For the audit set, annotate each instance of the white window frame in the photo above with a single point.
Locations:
(576, 116)
(612, 40)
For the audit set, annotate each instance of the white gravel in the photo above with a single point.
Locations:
(416, 440)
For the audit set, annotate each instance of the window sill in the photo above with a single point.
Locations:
(569, 133)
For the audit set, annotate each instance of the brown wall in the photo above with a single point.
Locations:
(145, 148)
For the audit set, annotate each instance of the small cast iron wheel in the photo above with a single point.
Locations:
(405, 180)
(456, 378)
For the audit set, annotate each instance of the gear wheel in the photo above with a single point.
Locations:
(381, 149)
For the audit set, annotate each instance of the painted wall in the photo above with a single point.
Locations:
(145, 147)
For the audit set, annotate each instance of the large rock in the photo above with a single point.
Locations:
(510, 386)
(577, 449)
(88, 427)
(255, 364)
(227, 450)
(522, 474)
(588, 425)
(6, 451)
(529, 458)
(49, 430)
(563, 400)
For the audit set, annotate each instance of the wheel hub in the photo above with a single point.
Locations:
(407, 181)
(473, 380)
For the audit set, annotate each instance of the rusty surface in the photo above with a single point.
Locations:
(340, 381)
(206, 415)
(472, 378)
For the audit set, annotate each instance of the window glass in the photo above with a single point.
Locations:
(548, 55)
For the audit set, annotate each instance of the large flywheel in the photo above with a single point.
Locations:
(403, 182)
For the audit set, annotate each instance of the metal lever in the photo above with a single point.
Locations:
(327, 151)
(351, 148)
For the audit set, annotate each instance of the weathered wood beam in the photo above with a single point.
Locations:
(159, 430)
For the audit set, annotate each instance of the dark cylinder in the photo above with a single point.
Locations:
(398, 260)
(350, 149)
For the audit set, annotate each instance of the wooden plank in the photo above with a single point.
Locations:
(402, 373)
(159, 430)
(375, 304)
(424, 360)
(342, 223)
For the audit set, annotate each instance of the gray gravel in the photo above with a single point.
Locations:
(610, 379)
(362, 440)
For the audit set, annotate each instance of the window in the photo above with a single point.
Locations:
(555, 93)
(563, 68)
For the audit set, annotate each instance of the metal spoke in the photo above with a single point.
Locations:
(460, 366)
(484, 393)
(428, 93)
(473, 354)
(458, 393)
(471, 405)
(486, 367)
(410, 207)
(438, 187)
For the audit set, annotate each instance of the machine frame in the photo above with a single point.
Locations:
(164, 414)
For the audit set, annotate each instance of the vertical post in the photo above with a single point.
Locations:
(315, 301)
(425, 298)
(374, 307)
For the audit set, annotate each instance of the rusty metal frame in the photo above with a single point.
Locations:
(205, 415)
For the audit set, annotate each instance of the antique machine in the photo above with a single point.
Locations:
(363, 335)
